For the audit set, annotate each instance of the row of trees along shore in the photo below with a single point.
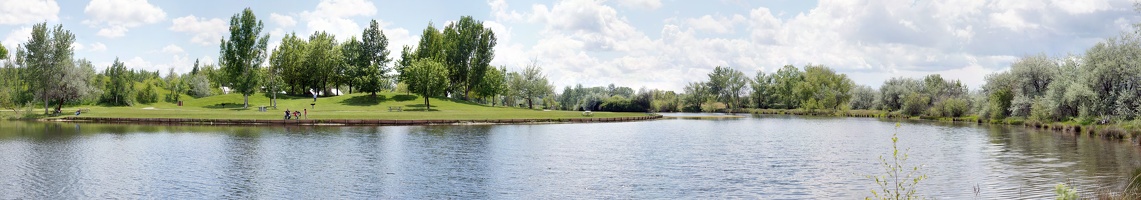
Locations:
(450, 62)
(1103, 84)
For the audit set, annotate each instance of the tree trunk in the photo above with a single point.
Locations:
(426, 105)
(529, 105)
(274, 99)
(246, 104)
(467, 89)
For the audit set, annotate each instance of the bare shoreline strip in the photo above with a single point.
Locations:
(346, 122)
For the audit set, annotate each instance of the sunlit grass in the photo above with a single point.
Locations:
(352, 106)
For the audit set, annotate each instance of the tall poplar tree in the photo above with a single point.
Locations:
(243, 53)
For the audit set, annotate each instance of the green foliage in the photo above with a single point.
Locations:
(147, 93)
(469, 50)
(899, 180)
(322, 63)
(120, 90)
(957, 107)
(199, 86)
(47, 58)
(3, 52)
(1064, 192)
(530, 85)
(785, 82)
(999, 101)
(371, 62)
(696, 93)
(621, 104)
(762, 94)
(826, 88)
(242, 54)
(863, 98)
(428, 78)
(494, 84)
(915, 103)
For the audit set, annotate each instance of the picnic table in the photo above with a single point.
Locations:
(587, 113)
(395, 109)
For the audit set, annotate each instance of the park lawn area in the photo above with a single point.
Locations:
(351, 106)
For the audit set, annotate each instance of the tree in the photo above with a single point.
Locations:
(762, 90)
(823, 88)
(243, 53)
(324, 57)
(48, 55)
(119, 89)
(531, 84)
(469, 48)
(696, 93)
(373, 60)
(354, 63)
(494, 83)
(785, 81)
(863, 97)
(290, 58)
(273, 82)
(428, 78)
(3, 52)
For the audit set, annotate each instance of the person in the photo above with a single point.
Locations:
(77, 112)
(286, 113)
(297, 115)
(306, 113)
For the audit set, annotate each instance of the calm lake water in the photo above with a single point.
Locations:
(769, 157)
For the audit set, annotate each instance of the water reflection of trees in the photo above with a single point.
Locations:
(1054, 157)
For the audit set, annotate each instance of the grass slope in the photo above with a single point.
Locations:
(352, 106)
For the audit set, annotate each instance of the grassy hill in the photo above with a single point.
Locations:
(352, 106)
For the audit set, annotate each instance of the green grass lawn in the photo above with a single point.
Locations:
(352, 106)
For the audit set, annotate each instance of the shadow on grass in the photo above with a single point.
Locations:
(460, 101)
(403, 97)
(419, 107)
(365, 100)
(286, 96)
(231, 106)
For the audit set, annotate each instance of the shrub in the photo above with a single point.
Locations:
(999, 101)
(956, 107)
(147, 94)
(915, 103)
(899, 181)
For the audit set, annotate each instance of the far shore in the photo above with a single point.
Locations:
(348, 122)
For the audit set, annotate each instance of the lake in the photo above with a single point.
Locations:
(761, 156)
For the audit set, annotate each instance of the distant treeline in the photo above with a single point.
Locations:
(1103, 84)
(453, 62)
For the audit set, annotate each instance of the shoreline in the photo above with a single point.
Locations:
(1105, 131)
(344, 122)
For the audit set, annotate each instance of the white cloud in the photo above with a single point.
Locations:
(115, 17)
(641, 4)
(97, 47)
(332, 16)
(28, 11)
(93, 47)
(585, 41)
(16, 37)
(140, 63)
(719, 24)
(205, 32)
(284, 21)
(172, 49)
(499, 9)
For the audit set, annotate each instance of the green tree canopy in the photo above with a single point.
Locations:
(428, 78)
(243, 53)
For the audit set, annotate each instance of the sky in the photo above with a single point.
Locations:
(656, 44)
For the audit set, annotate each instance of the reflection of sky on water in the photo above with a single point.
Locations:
(768, 156)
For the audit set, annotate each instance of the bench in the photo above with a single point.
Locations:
(395, 109)
(587, 113)
(261, 109)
